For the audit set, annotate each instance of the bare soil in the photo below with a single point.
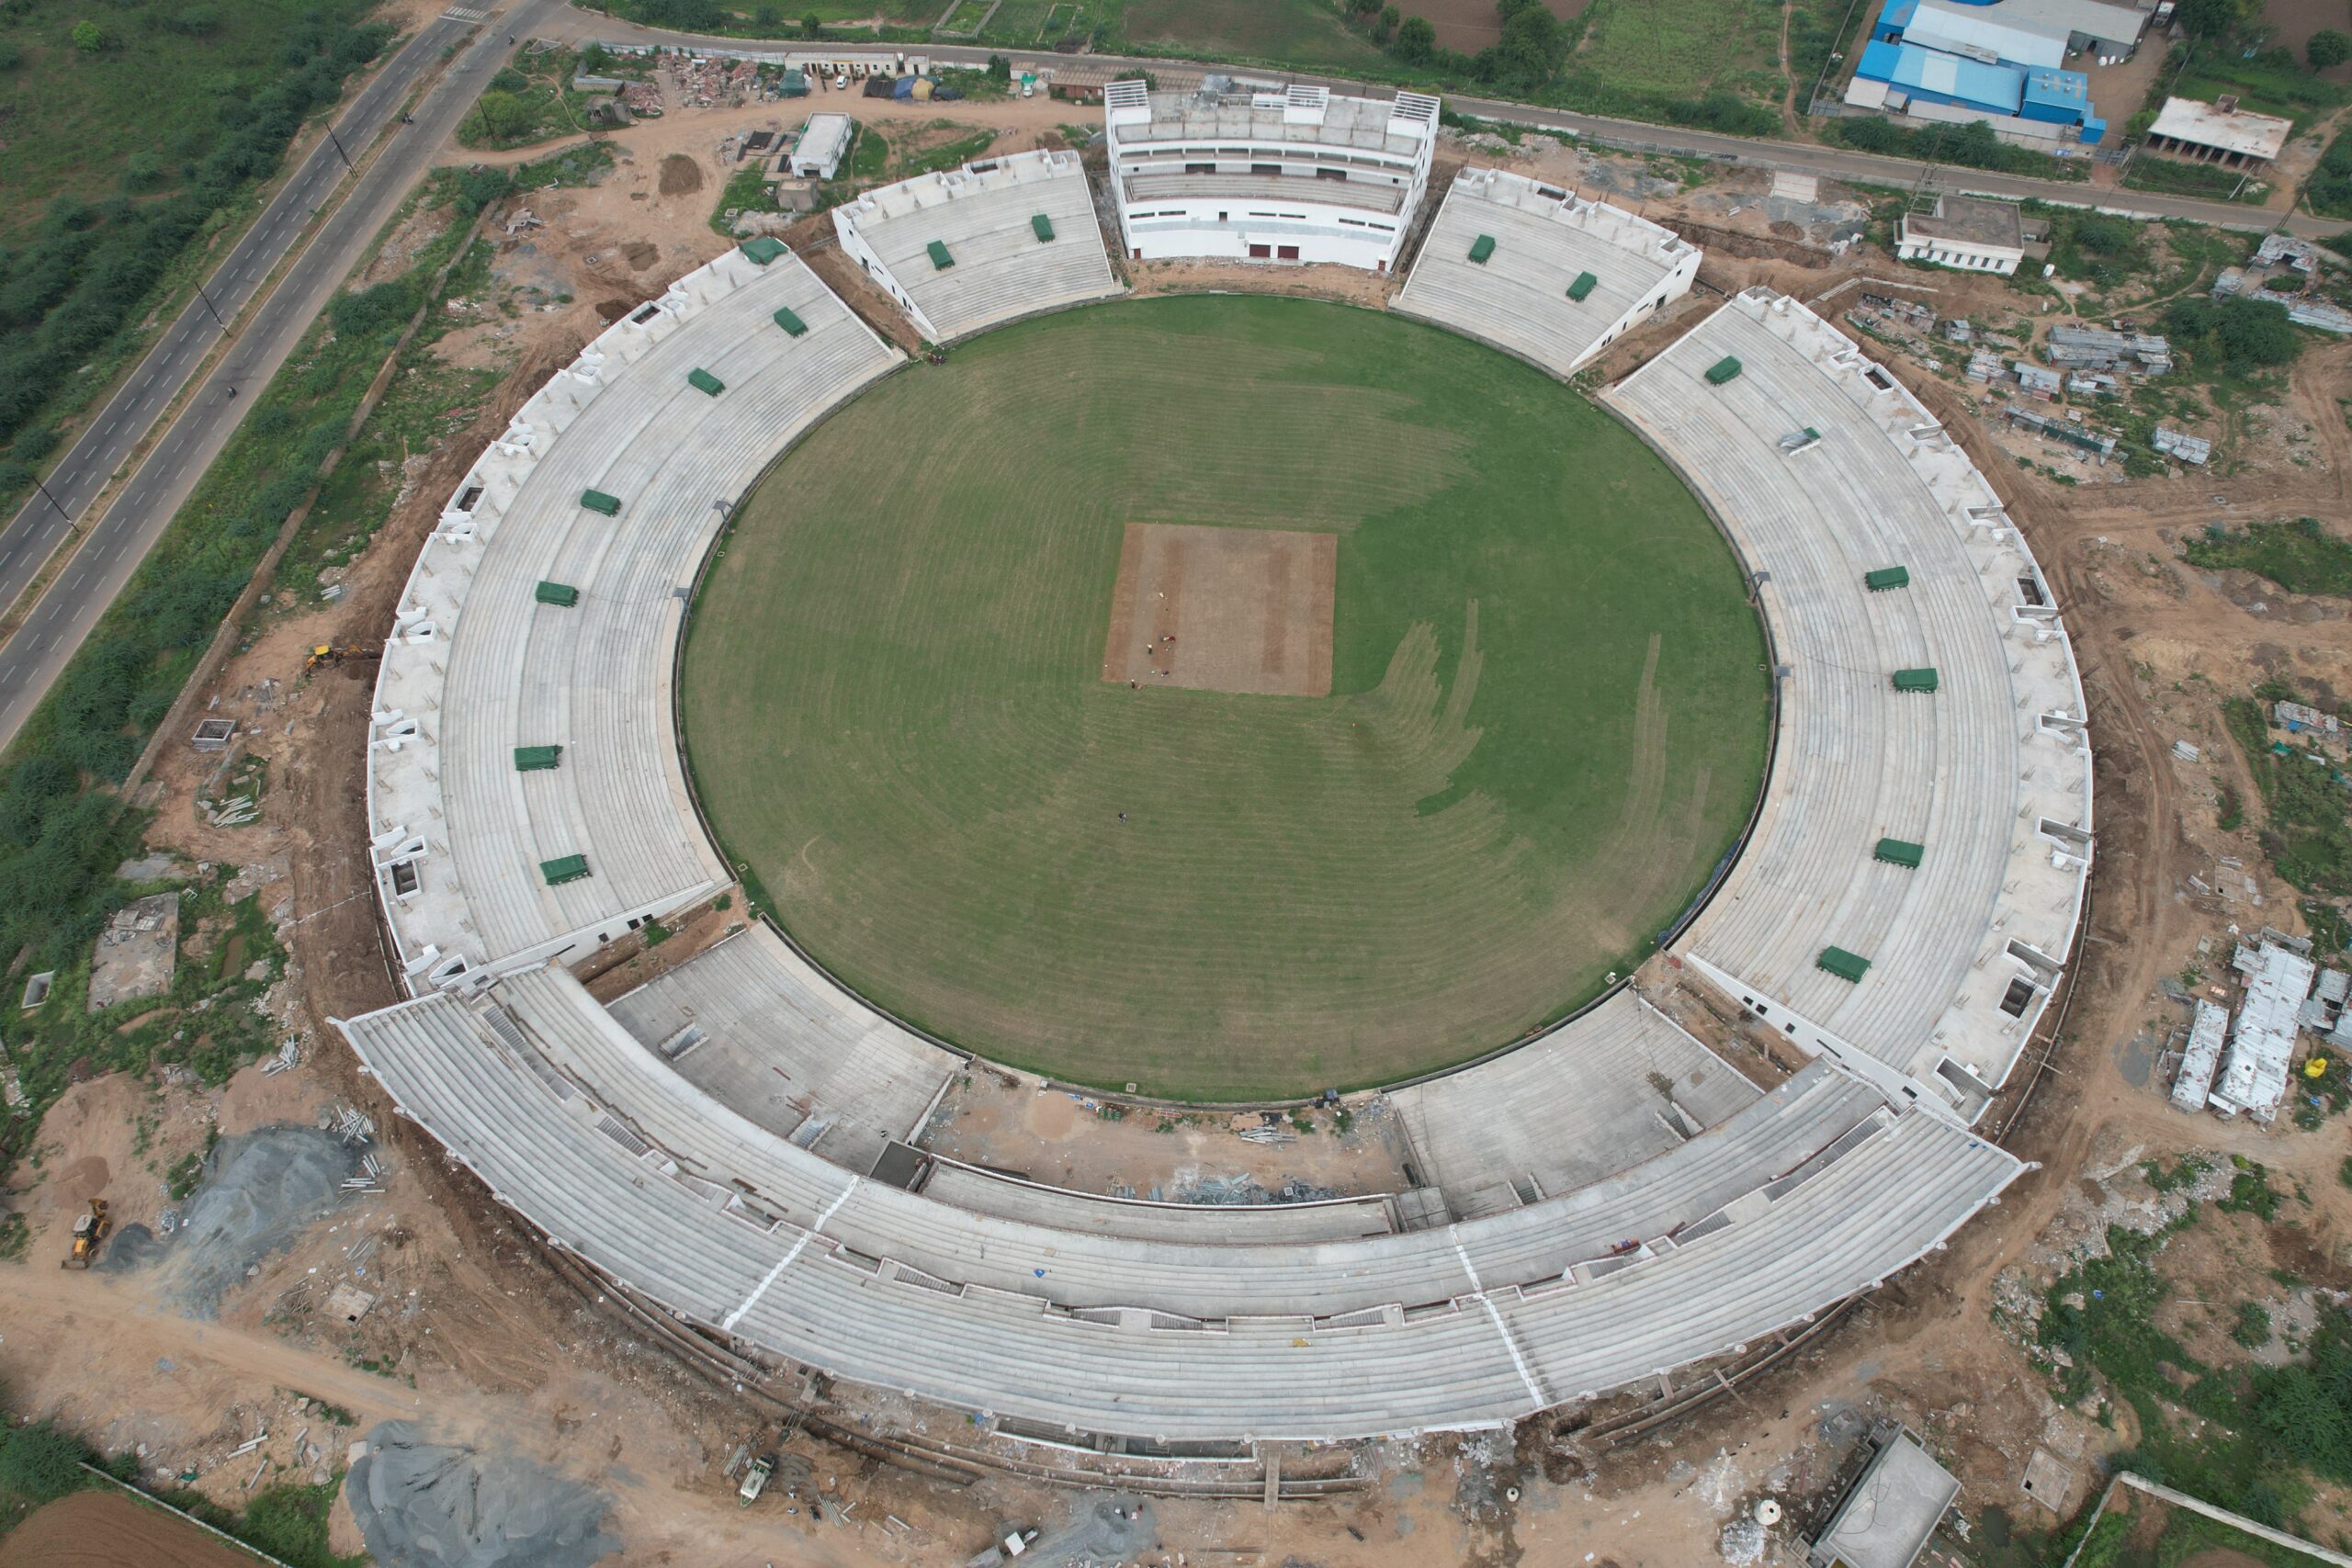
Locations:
(1223, 610)
(107, 1529)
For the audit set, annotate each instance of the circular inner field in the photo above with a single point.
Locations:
(1233, 696)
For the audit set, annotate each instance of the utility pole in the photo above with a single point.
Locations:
(209, 306)
(53, 500)
(338, 147)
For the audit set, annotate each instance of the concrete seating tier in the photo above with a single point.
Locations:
(983, 213)
(1486, 1353)
(497, 669)
(1613, 1089)
(1990, 773)
(1216, 1272)
(756, 1027)
(1545, 238)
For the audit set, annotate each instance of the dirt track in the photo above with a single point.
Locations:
(107, 1529)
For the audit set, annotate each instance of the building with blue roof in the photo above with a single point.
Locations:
(1937, 78)
(1958, 60)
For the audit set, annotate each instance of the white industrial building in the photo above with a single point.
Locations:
(2192, 1086)
(822, 144)
(2253, 1076)
(1294, 175)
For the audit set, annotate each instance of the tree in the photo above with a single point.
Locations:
(1416, 39)
(1000, 68)
(2208, 18)
(1389, 17)
(503, 116)
(593, 59)
(812, 27)
(1532, 45)
(2328, 48)
(89, 38)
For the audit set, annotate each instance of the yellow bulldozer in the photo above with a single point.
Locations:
(88, 1231)
(326, 655)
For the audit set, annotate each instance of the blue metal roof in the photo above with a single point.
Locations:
(2061, 97)
(1944, 78)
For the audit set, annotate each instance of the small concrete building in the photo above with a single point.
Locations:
(2218, 132)
(1965, 231)
(1887, 1516)
(823, 143)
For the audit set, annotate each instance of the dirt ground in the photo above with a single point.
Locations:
(1007, 1121)
(1223, 610)
(479, 1339)
(107, 1529)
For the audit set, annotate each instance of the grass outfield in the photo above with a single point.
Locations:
(1547, 716)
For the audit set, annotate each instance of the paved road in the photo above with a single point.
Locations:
(1837, 163)
(103, 563)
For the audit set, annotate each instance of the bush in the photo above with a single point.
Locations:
(89, 38)
(40, 1462)
(2252, 1327)
(11, 55)
(2328, 48)
(2242, 334)
(386, 307)
(1416, 39)
(193, 21)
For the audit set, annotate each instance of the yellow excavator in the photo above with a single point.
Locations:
(326, 655)
(88, 1231)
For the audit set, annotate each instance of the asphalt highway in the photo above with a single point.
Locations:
(104, 561)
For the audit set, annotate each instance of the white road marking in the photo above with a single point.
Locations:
(785, 1261)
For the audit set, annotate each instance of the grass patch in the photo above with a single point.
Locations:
(127, 168)
(2300, 556)
(1680, 48)
(529, 101)
(2175, 177)
(2250, 1191)
(948, 154)
(1308, 891)
(2252, 1329)
(1971, 146)
(2305, 833)
(1294, 32)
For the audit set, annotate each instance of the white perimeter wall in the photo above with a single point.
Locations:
(1226, 227)
(1672, 287)
(854, 245)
